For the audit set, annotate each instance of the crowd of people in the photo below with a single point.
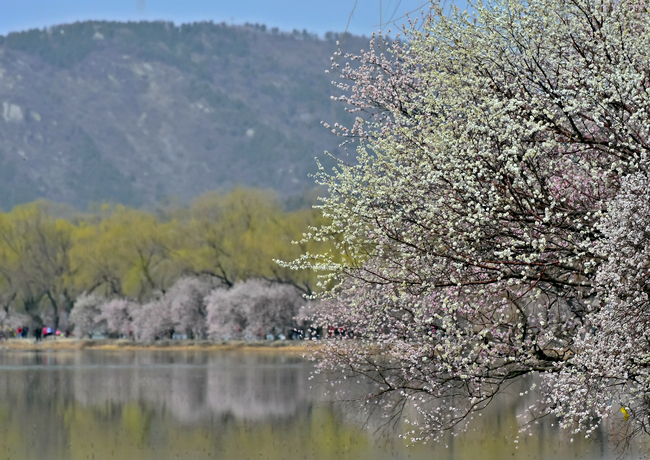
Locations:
(37, 333)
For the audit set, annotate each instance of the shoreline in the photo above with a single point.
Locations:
(289, 346)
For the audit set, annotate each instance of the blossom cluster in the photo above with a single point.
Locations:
(496, 221)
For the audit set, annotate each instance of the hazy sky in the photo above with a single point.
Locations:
(317, 16)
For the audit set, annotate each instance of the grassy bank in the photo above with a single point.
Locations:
(170, 345)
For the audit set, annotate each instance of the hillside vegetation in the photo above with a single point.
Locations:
(138, 113)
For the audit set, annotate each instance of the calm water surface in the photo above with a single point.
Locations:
(220, 405)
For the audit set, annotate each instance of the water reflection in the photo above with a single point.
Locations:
(191, 387)
(199, 405)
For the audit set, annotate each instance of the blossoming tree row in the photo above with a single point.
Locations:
(195, 308)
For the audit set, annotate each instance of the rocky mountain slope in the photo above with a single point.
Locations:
(136, 113)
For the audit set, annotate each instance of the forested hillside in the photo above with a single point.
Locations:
(140, 113)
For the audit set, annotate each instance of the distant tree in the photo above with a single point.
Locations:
(252, 309)
(128, 253)
(86, 315)
(117, 314)
(237, 236)
(226, 315)
(35, 261)
(152, 321)
(271, 308)
(187, 302)
(13, 320)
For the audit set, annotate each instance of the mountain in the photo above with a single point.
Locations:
(136, 113)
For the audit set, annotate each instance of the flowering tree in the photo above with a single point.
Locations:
(117, 315)
(252, 309)
(612, 363)
(152, 320)
(86, 315)
(187, 305)
(487, 229)
(14, 320)
(270, 307)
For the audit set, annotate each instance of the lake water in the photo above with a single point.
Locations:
(221, 405)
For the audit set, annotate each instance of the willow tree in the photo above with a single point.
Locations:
(35, 269)
(496, 223)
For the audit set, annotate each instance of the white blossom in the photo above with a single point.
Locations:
(495, 223)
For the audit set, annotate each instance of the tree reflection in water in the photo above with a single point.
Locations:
(199, 405)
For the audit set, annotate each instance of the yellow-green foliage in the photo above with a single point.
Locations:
(126, 252)
(35, 259)
(239, 235)
(46, 261)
